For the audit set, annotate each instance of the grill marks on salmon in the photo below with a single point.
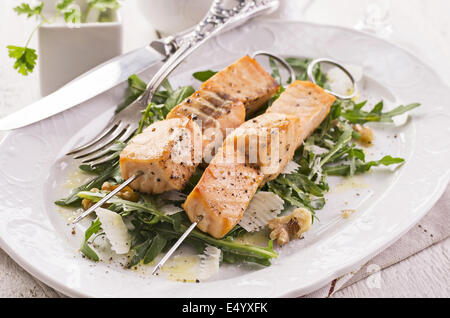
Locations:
(213, 114)
(223, 197)
(222, 103)
(164, 152)
(245, 81)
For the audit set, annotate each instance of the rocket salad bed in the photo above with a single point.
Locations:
(331, 150)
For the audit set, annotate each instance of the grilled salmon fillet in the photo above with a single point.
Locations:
(307, 101)
(268, 140)
(247, 158)
(245, 81)
(213, 114)
(214, 108)
(165, 152)
(257, 155)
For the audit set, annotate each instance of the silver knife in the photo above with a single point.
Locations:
(108, 75)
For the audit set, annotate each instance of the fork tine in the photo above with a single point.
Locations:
(100, 160)
(128, 132)
(96, 155)
(116, 133)
(99, 137)
(90, 159)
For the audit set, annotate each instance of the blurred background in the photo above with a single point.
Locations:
(422, 27)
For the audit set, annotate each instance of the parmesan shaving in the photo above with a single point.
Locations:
(263, 207)
(209, 262)
(170, 209)
(291, 167)
(173, 196)
(115, 230)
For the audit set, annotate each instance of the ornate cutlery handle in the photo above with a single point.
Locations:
(218, 18)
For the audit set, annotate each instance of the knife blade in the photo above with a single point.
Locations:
(84, 87)
(117, 70)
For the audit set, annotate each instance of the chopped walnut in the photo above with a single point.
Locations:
(126, 193)
(366, 135)
(290, 227)
(86, 203)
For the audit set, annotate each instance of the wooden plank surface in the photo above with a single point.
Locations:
(425, 274)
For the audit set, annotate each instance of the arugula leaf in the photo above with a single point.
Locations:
(158, 244)
(398, 111)
(85, 248)
(177, 97)
(135, 88)
(356, 115)
(155, 112)
(114, 151)
(303, 182)
(149, 116)
(25, 58)
(203, 76)
(357, 153)
(232, 258)
(378, 108)
(140, 250)
(179, 224)
(162, 102)
(343, 140)
(301, 67)
(25, 8)
(167, 86)
(344, 169)
(285, 192)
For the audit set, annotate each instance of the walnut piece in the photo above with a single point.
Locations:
(86, 203)
(290, 227)
(126, 193)
(366, 135)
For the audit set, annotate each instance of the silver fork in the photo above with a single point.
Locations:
(124, 124)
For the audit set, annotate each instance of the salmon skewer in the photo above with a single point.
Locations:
(168, 152)
(253, 154)
(245, 81)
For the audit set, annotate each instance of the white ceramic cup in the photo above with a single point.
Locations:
(172, 16)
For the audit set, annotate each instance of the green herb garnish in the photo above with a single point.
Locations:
(204, 75)
(25, 57)
(85, 248)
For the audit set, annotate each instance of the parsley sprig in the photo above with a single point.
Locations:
(24, 56)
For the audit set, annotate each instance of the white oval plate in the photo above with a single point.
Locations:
(34, 232)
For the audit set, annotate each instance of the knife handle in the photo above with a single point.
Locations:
(218, 19)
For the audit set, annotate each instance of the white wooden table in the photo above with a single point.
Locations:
(423, 27)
